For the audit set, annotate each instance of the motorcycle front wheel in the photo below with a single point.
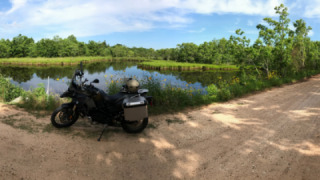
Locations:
(64, 117)
(134, 126)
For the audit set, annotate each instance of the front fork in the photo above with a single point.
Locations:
(72, 105)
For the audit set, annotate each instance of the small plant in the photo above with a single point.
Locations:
(48, 128)
(179, 121)
(152, 126)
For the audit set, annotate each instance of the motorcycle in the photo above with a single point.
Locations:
(127, 109)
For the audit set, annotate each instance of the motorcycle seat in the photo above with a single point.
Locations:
(113, 98)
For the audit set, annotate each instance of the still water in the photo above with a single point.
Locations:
(58, 77)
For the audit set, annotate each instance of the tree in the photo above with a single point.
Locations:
(206, 52)
(312, 54)
(241, 48)
(47, 48)
(4, 48)
(20, 46)
(263, 56)
(119, 50)
(278, 36)
(299, 44)
(187, 52)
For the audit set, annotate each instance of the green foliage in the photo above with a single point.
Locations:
(20, 46)
(173, 64)
(166, 98)
(187, 52)
(9, 91)
(4, 48)
(37, 99)
(213, 91)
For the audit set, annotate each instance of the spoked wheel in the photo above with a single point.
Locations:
(135, 126)
(64, 117)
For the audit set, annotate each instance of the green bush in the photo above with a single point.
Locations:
(9, 91)
(213, 92)
(37, 99)
(224, 94)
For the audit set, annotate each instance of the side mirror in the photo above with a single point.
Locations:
(95, 81)
(81, 68)
(78, 72)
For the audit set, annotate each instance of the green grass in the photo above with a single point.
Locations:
(24, 124)
(162, 64)
(45, 61)
(178, 121)
(143, 62)
(64, 60)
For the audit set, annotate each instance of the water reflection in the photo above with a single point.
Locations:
(59, 76)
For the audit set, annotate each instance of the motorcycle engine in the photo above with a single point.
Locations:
(100, 117)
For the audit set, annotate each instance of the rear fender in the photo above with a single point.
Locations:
(149, 99)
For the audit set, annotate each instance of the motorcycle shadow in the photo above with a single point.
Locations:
(85, 129)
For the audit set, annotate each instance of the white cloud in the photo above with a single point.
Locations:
(16, 4)
(197, 31)
(253, 7)
(250, 23)
(312, 9)
(98, 17)
(311, 33)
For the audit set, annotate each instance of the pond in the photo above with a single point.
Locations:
(57, 77)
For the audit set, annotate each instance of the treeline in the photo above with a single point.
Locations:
(213, 52)
(278, 48)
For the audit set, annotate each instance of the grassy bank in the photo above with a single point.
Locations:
(142, 63)
(64, 60)
(173, 65)
(167, 98)
(48, 61)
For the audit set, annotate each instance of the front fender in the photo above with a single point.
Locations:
(68, 105)
(66, 94)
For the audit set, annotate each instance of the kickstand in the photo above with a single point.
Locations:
(105, 127)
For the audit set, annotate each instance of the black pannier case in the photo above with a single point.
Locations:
(135, 108)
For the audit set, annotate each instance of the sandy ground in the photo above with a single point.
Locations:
(269, 135)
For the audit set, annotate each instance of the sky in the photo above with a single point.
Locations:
(147, 23)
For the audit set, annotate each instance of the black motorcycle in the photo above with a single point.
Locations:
(128, 108)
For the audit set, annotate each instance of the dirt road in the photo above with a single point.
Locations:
(269, 135)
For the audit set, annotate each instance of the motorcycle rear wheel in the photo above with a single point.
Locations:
(134, 126)
(63, 117)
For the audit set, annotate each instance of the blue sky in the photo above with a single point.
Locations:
(147, 23)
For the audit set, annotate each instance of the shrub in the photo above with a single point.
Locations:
(213, 91)
(9, 91)
(37, 99)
